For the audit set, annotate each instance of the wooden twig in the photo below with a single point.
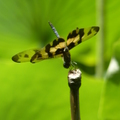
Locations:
(54, 30)
(74, 82)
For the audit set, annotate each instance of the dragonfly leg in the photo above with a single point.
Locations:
(73, 65)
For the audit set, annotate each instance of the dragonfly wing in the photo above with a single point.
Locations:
(51, 50)
(24, 56)
(79, 35)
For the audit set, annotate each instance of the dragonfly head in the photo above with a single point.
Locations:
(66, 65)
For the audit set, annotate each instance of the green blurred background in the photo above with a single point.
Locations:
(40, 91)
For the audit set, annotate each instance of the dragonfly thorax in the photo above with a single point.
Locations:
(66, 57)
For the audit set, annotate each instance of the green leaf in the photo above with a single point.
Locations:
(110, 107)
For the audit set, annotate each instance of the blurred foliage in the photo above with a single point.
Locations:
(109, 103)
(34, 91)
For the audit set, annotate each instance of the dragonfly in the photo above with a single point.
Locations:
(58, 47)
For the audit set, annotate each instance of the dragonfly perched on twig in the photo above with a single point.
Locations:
(58, 47)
